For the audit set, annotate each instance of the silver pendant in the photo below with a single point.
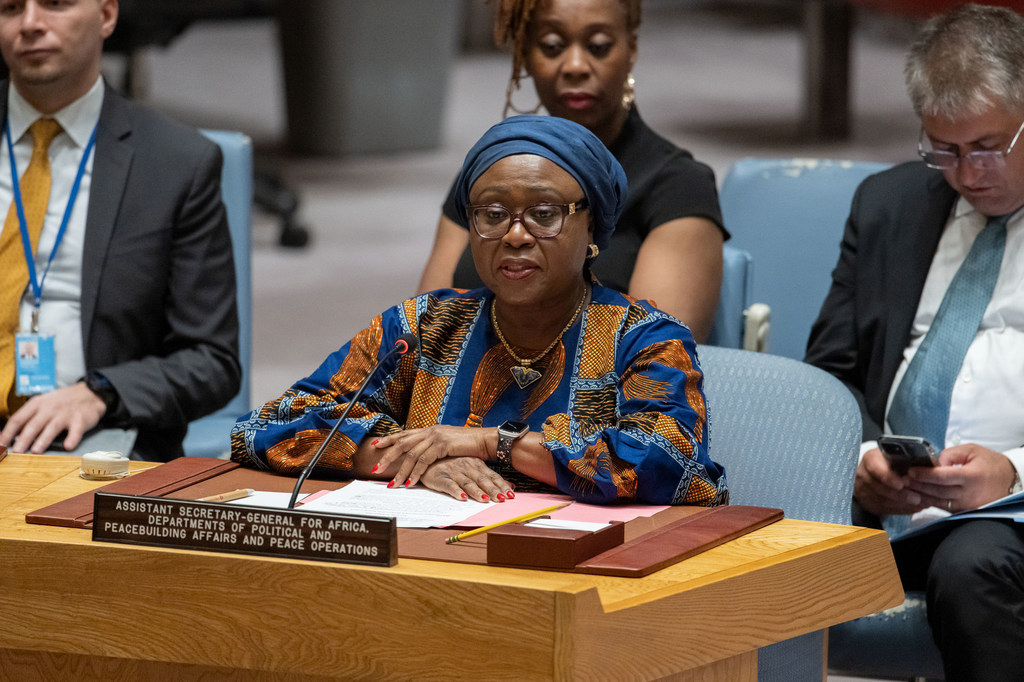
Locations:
(524, 376)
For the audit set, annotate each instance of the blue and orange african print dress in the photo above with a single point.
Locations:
(620, 403)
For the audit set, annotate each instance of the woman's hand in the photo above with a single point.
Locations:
(467, 478)
(417, 449)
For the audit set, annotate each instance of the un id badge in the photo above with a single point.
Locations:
(35, 364)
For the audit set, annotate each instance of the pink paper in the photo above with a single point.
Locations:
(602, 513)
(524, 503)
(312, 496)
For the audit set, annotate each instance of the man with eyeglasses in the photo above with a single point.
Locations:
(924, 322)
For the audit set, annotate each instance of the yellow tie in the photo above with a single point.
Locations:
(35, 195)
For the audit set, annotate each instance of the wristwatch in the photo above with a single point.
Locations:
(104, 390)
(509, 433)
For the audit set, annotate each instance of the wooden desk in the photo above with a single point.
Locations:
(74, 609)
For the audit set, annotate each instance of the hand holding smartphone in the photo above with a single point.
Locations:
(904, 452)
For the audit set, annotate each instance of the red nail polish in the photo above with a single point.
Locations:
(408, 482)
(510, 495)
(391, 484)
(484, 497)
(375, 441)
(465, 496)
(501, 498)
(374, 469)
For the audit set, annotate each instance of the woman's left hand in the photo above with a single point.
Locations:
(417, 449)
(467, 478)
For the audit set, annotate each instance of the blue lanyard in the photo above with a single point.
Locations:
(26, 240)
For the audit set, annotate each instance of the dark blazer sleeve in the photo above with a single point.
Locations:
(160, 318)
(896, 219)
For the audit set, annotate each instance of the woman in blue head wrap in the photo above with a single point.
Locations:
(541, 379)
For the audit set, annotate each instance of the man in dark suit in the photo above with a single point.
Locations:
(140, 295)
(924, 322)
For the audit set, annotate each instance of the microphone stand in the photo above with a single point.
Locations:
(404, 344)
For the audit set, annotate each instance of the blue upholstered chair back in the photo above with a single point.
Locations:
(735, 297)
(209, 436)
(788, 435)
(789, 215)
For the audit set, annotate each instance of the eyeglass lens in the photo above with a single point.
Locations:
(542, 220)
(979, 160)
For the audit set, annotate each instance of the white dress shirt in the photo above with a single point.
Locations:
(987, 403)
(60, 312)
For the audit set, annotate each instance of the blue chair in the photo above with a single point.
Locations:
(210, 436)
(739, 323)
(788, 435)
(789, 215)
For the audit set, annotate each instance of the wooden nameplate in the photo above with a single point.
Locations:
(603, 552)
(219, 527)
(680, 540)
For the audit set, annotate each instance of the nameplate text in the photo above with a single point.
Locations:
(220, 527)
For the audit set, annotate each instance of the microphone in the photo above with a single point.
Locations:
(404, 344)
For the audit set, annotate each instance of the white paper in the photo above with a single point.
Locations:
(1010, 507)
(589, 526)
(410, 507)
(266, 499)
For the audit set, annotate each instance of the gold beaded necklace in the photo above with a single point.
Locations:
(523, 373)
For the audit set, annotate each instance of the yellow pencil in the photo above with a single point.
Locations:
(524, 517)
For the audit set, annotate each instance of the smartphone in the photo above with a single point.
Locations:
(904, 452)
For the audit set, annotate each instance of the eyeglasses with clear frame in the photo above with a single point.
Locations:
(543, 221)
(979, 160)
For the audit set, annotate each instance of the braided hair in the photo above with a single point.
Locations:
(512, 20)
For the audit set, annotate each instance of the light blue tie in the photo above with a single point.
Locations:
(920, 406)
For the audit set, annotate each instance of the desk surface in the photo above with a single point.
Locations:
(67, 601)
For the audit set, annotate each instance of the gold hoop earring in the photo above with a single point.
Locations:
(629, 92)
(511, 88)
(592, 251)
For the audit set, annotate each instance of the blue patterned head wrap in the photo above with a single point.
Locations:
(568, 144)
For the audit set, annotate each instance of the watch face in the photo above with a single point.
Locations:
(514, 429)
